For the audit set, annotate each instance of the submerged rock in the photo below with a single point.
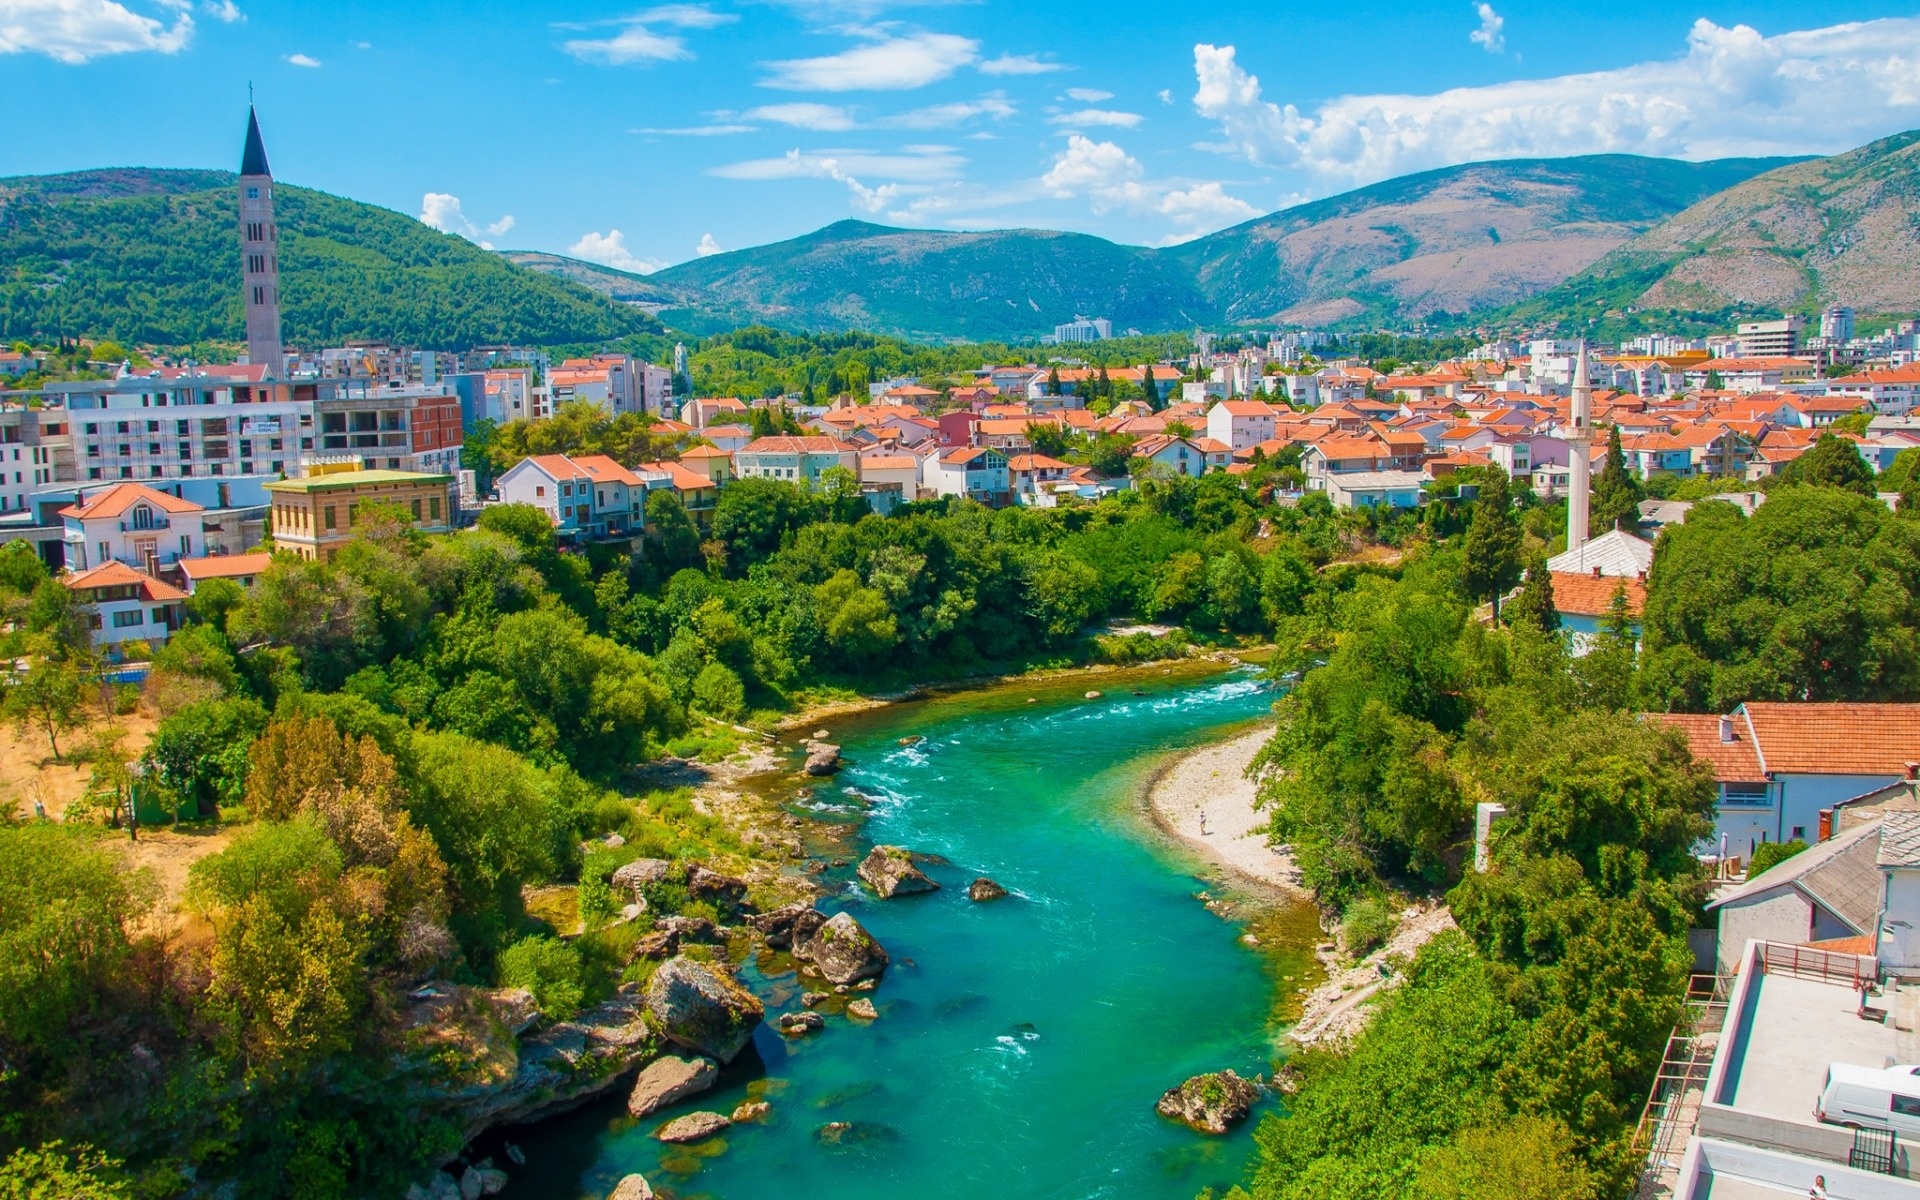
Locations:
(890, 872)
(864, 1009)
(694, 1127)
(1210, 1103)
(669, 1080)
(983, 889)
(842, 951)
(798, 1024)
(702, 1008)
(633, 1187)
(751, 1110)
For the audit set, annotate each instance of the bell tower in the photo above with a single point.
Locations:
(260, 253)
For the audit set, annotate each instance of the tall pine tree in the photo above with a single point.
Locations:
(1053, 381)
(1616, 494)
(1147, 386)
(1493, 543)
(1534, 605)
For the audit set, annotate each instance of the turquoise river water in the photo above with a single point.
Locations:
(1022, 1043)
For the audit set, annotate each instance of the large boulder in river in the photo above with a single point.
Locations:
(694, 1127)
(843, 951)
(633, 1187)
(983, 889)
(670, 1079)
(715, 888)
(1210, 1103)
(702, 1008)
(890, 872)
(823, 758)
(777, 925)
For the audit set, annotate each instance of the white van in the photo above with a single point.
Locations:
(1871, 1098)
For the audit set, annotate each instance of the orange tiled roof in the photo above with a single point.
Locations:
(1592, 596)
(1732, 762)
(122, 496)
(119, 574)
(1835, 739)
(225, 566)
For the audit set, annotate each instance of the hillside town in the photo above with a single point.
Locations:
(166, 488)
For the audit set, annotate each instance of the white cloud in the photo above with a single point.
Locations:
(636, 41)
(1166, 95)
(707, 247)
(1110, 179)
(1088, 95)
(888, 64)
(74, 31)
(1734, 92)
(1492, 35)
(829, 118)
(1098, 116)
(609, 249)
(698, 130)
(944, 116)
(442, 211)
(303, 60)
(224, 11)
(909, 171)
(1018, 64)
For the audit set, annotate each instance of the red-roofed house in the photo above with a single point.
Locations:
(1751, 374)
(1889, 392)
(794, 459)
(124, 605)
(1183, 456)
(588, 496)
(134, 524)
(243, 569)
(1781, 765)
(1241, 423)
(976, 472)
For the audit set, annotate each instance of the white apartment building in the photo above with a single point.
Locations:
(170, 424)
(794, 459)
(133, 524)
(1241, 423)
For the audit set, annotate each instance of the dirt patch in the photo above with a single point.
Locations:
(28, 772)
(1338, 1008)
(168, 854)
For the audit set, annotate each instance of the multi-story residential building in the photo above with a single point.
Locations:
(1771, 339)
(795, 459)
(123, 605)
(1099, 329)
(587, 496)
(1890, 393)
(169, 423)
(974, 472)
(133, 524)
(389, 428)
(313, 515)
(1751, 373)
(1836, 323)
(36, 449)
(1241, 423)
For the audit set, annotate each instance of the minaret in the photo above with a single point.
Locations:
(1579, 452)
(260, 253)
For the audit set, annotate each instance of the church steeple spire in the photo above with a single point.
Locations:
(259, 254)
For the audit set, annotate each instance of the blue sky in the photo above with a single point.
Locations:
(642, 135)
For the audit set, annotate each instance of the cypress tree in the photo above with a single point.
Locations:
(1534, 605)
(1053, 381)
(1493, 543)
(1147, 386)
(1616, 494)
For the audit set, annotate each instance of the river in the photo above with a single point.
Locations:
(1021, 1043)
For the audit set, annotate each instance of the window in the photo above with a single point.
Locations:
(416, 508)
(539, 490)
(1744, 795)
(1799, 833)
(253, 193)
(105, 554)
(1906, 1106)
(259, 294)
(327, 515)
(128, 618)
(93, 472)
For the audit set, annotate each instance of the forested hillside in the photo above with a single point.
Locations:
(152, 257)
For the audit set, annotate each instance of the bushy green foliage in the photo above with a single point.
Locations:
(550, 969)
(1365, 924)
(1768, 855)
(56, 1172)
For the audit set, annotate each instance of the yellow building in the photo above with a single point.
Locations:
(313, 515)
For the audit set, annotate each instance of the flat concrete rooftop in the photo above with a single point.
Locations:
(1799, 1026)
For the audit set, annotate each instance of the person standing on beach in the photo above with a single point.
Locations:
(1203, 822)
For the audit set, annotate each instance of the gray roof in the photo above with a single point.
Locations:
(1899, 840)
(253, 160)
(1839, 874)
(1616, 552)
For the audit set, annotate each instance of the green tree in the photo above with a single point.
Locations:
(1832, 462)
(49, 700)
(56, 1172)
(550, 969)
(1534, 605)
(1493, 543)
(1053, 381)
(859, 625)
(1616, 494)
(1047, 437)
(1149, 390)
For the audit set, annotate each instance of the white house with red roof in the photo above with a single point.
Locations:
(976, 472)
(131, 523)
(1184, 456)
(1241, 423)
(589, 495)
(1890, 393)
(124, 605)
(794, 459)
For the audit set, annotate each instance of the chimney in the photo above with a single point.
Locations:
(1726, 729)
(1826, 824)
(1596, 572)
(1913, 770)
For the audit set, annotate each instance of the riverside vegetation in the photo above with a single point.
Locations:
(412, 737)
(1513, 1059)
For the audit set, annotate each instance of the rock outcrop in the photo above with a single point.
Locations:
(633, 1187)
(636, 874)
(842, 951)
(1210, 1103)
(777, 926)
(799, 1024)
(694, 1127)
(823, 758)
(863, 1008)
(670, 1079)
(890, 872)
(984, 889)
(702, 1008)
(723, 891)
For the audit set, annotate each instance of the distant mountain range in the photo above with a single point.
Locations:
(1454, 241)
(152, 256)
(149, 256)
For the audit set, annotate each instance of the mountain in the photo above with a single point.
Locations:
(1002, 285)
(1844, 229)
(152, 256)
(1461, 239)
(1456, 240)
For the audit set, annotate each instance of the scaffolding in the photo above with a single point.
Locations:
(1673, 1102)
